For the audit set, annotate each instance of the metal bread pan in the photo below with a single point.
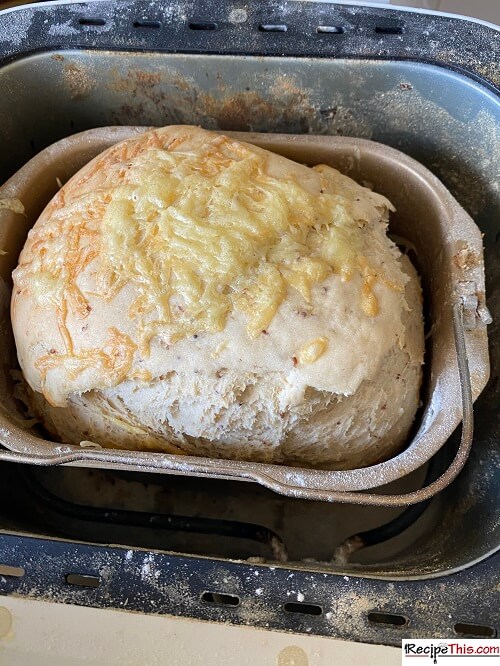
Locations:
(448, 247)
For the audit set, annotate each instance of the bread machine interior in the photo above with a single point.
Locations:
(210, 538)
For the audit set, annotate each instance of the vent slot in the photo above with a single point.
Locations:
(304, 609)
(273, 27)
(13, 572)
(330, 30)
(474, 630)
(202, 25)
(388, 619)
(220, 599)
(92, 21)
(389, 29)
(82, 580)
(147, 24)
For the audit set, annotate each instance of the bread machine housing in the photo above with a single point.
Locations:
(427, 86)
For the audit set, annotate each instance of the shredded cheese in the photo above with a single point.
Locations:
(202, 237)
(114, 361)
(312, 350)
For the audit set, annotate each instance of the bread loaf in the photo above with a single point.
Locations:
(189, 293)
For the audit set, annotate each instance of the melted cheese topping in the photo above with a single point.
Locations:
(197, 234)
(311, 351)
(199, 239)
(114, 360)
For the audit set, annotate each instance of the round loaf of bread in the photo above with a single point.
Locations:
(188, 293)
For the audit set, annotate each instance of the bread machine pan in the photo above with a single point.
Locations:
(449, 249)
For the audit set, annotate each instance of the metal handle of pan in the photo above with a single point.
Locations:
(345, 497)
(456, 466)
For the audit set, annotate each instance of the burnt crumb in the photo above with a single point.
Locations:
(398, 376)
(383, 407)
(264, 332)
(329, 113)
(52, 351)
(465, 259)
(195, 336)
(322, 191)
(294, 361)
(88, 308)
(325, 290)
(78, 81)
(57, 56)
(301, 313)
(406, 86)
